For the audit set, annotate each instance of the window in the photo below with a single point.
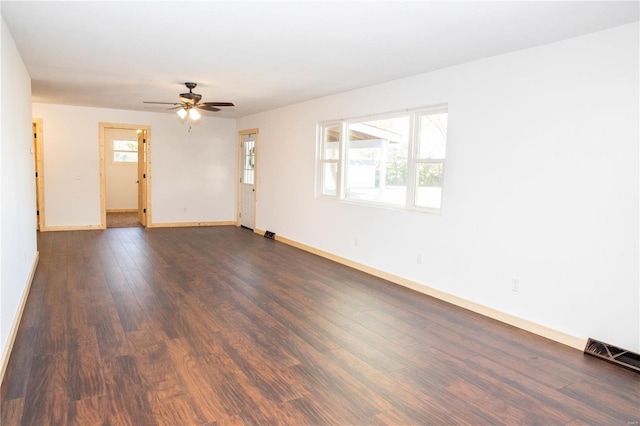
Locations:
(393, 159)
(125, 151)
(248, 174)
(330, 136)
(429, 159)
(377, 159)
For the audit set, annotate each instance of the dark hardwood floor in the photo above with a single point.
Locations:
(221, 326)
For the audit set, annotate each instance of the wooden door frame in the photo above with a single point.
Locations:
(39, 172)
(142, 177)
(103, 177)
(242, 133)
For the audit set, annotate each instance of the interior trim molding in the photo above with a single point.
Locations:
(187, 224)
(532, 327)
(39, 163)
(122, 210)
(74, 228)
(6, 354)
(150, 225)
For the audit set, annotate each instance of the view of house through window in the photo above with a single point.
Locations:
(377, 159)
(392, 159)
(125, 151)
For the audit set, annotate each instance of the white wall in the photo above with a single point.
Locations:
(17, 185)
(121, 187)
(541, 184)
(193, 173)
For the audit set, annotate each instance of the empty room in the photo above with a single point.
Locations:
(320, 212)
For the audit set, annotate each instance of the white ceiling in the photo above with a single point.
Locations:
(264, 54)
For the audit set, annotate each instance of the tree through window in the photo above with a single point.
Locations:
(125, 151)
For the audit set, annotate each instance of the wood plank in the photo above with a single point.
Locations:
(85, 412)
(12, 411)
(15, 380)
(84, 371)
(178, 411)
(208, 396)
(126, 398)
(111, 337)
(46, 401)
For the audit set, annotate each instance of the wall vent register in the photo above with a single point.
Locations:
(613, 354)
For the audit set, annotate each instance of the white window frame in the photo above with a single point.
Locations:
(323, 160)
(416, 160)
(413, 161)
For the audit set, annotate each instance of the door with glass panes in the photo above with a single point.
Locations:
(248, 190)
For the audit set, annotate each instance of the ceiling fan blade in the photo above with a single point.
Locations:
(191, 100)
(217, 104)
(207, 107)
(161, 103)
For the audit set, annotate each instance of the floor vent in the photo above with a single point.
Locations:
(621, 357)
(270, 235)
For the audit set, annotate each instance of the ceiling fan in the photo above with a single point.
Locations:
(190, 103)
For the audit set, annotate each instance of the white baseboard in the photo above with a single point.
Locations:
(549, 333)
(149, 225)
(188, 224)
(6, 354)
(72, 228)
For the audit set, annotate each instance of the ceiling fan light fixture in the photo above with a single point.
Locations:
(193, 114)
(189, 102)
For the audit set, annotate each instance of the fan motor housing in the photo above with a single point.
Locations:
(190, 97)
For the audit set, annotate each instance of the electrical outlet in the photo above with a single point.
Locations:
(515, 284)
(355, 241)
(419, 259)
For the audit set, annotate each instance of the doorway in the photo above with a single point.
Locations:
(247, 190)
(124, 173)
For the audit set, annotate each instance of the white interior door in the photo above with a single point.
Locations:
(248, 191)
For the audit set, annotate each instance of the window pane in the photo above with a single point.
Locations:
(125, 145)
(249, 162)
(429, 185)
(376, 164)
(433, 136)
(125, 157)
(248, 177)
(249, 155)
(329, 178)
(331, 141)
